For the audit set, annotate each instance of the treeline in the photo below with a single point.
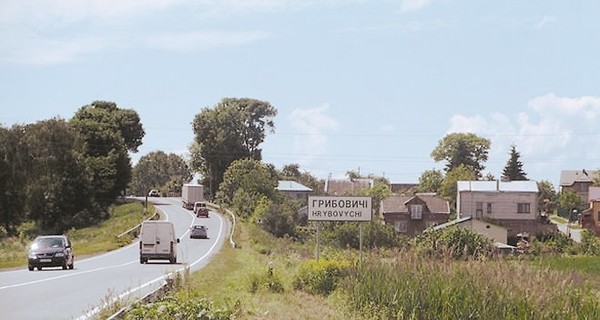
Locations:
(58, 174)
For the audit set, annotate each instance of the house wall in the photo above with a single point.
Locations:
(581, 188)
(494, 232)
(504, 205)
(415, 226)
(591, 221)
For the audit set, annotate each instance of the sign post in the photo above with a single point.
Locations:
(326, 208)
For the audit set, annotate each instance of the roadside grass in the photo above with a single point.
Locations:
(589, 265)
(410, 287)
(86, 241)
(237, 283)
(388, 284)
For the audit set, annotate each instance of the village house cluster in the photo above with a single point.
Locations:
(502, 210)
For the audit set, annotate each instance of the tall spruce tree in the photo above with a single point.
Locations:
(513, 171)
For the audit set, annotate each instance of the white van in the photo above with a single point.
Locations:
(158, 241)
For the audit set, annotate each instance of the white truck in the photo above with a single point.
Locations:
(158, 241)
(190, 194)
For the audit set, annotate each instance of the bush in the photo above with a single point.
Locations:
(455, 243)
(269, 281)
(321, 277)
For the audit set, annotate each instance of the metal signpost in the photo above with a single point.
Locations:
(325, 208)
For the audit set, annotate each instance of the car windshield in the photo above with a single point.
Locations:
(43, 243)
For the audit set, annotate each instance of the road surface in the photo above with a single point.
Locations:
(53, 293)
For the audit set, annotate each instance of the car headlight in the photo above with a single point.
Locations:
(59, 254)
(31, 255)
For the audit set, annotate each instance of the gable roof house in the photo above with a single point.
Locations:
(511, 204)
(578, 181)
(411, 215)
(293, 189)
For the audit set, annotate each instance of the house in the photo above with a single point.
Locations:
(511, 204)
(590, 218)
(578, 181)
(495, 232)
(293, 189)
(411, 215)
(340, 187)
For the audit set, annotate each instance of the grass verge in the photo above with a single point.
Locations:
(86, 241)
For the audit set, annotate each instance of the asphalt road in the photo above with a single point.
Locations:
(53, 293)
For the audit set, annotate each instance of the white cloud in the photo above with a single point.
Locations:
(36, 50)
(203, 40)
(552, 130)
(313, 124)
(545, 20)
(413, 5)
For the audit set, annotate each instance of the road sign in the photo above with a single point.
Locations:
(339, 209)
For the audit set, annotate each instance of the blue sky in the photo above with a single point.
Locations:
(369, 86)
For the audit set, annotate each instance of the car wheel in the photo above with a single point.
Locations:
(39, 268)
(64, 266)
(72, 265)
(30, 268)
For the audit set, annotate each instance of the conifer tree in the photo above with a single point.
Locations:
(513, 171)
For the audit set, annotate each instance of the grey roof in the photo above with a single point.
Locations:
(451, 223)
(500, 186)
(568, 177)
(287, 185)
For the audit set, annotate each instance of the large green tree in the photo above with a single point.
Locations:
(465, 149)
(245, 182)
(513, 171)
(14, 160)
(58, 193)
(430, 181)
(547, 197)
(448, 188)
(231, 130)
(161, 171)
(108, 134)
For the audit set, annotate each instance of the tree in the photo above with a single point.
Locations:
(449, 189)
(14, 160)
(161, 171)
(462, 149)
(547, 197)
(108, 133)
(247, 178)
(58, 193)
(513, 171)
(232, 130)
(292, 172)
(430, 181)
(570, 200)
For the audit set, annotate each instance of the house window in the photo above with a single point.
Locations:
(523, 208)
(400, 226)
(598, 217)
(489, 207)
(416, 211)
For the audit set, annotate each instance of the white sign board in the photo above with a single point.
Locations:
(339, 208)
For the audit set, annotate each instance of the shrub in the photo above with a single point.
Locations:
(322, 276)
(454, 242)
(269, 281)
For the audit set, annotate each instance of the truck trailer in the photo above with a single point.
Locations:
(190, 194)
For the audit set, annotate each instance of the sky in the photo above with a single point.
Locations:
(368, 86)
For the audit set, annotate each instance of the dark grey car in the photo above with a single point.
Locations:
(50, 251)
